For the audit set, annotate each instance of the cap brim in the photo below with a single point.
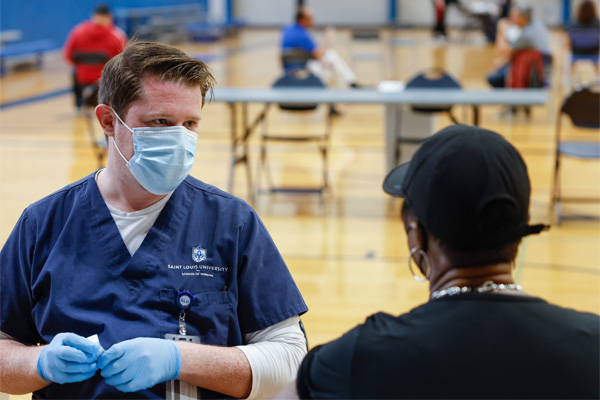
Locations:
(392, 184)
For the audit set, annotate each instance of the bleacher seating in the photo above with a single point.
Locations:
(171, 24)
(35, 48)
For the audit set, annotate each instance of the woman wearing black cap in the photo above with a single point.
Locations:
(466, 194)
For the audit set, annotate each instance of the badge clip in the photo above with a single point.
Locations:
(185, 300)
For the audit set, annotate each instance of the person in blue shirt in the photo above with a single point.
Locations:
(297, 35)
(140, 281)
(583, 36)
(321, 62)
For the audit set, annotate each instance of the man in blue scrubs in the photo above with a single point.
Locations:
(140, 281)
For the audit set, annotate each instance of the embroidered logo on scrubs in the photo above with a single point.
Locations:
(199, 254)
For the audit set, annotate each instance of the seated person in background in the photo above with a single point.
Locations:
(522, 33)
(505, 6)
(89, 46)
(584, 35)
(176, 278)
(466, 208)
(320, 62)
(508, 31)
(490, 15)
(440, 8)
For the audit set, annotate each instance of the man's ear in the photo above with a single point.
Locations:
(107, 119)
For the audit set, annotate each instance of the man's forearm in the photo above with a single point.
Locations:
(221, 369)
(18, 368)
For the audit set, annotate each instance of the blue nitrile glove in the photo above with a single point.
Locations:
(140, 363)
(68, 358)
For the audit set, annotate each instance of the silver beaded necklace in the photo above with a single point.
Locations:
(488, 286)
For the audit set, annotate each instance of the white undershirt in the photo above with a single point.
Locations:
(134, 226)
(274, 353)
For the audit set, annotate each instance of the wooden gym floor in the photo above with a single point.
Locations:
(347, 252)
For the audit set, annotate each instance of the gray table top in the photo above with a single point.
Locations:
(374, 96)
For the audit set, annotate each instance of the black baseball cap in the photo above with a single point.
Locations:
(468, 186)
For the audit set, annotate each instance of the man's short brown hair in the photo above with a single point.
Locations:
(122, 76)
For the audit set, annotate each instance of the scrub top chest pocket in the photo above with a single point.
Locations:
(210, 316)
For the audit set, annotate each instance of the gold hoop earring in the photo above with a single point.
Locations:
(427, 264)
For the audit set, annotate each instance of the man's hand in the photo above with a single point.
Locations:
(140, 363)
(68, 358)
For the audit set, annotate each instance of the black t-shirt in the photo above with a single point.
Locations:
(466, 346)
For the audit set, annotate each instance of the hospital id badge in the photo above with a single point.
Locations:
(177, 390)
(183, 338)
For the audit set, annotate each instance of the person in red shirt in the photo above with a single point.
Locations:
(89, 46)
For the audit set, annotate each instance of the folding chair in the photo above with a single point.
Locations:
(429, 78)
(585, 43)
(90, 101)
(294, 59)
(585, 48)
(296, 79)
(367, 46)
(583, 108)
(526, 70)
(434, 78)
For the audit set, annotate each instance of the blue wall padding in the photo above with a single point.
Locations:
(53, 19)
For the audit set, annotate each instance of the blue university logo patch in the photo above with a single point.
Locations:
(198, 254)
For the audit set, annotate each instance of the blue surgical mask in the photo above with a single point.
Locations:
(163, 156)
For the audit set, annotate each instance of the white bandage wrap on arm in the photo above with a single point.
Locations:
(274, 355)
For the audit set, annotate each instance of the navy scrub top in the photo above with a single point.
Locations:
(65, 268)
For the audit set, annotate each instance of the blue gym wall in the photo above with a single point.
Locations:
(53, 19)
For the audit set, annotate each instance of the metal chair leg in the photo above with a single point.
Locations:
(324, 154)
(556, 200)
